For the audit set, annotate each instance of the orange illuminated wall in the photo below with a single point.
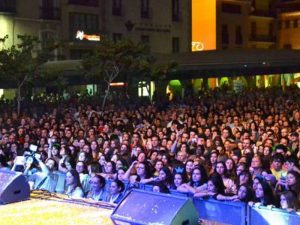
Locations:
(204, 25)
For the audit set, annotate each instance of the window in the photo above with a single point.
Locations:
(238, 35)
(175, 45)
(175, 10)
(84, 2)
(253, 29)
(117, 37)
(225, 35)
(295, 24)
(48, 3)
(143, 89)
(287, 46)
(279, 25)
(145, 9)
(79, 53)
(145, 39)
(271, 29)
(287, 24)
(47, 36)
(8, 6)
(49, 10)
(117, 7)
(231, 8)
(88, 23)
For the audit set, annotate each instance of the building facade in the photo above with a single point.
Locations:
(168, 26)
(164, 25)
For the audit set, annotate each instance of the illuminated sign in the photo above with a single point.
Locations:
(117, 84)
(90, 37)
(204, 19)
(197, 46)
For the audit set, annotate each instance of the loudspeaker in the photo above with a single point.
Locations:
(143, 207)
(13, 187)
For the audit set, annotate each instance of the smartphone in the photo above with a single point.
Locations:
(33, 148)
(20, 160)
(37, 156)
(283, 178)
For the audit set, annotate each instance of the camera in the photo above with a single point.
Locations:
(31, 156)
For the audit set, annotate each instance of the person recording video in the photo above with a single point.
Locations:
(40, 175)
(45, 178)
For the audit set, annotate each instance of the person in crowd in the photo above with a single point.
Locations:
(116, 189)
(292, 163)
(73, 185)
(141, 174)
(65, 164)
(289, 201)
(160, 187)
(189, 166)
(179, 179)
(230, 167)
(165, 176)
(3, 163)
(98, 191)
(109, 170)
(45, 178)
(244, 178)
(158, 165)
(199, 130)
(277, 166)
(198, 181)
(264, 194)
(256, 166)
(215, 188)
(81, 168)
(228, 182)
(290, 182)
(244, 194)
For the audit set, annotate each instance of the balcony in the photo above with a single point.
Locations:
(262, 38)
(50, 13)
(92, 3)
(8, 6)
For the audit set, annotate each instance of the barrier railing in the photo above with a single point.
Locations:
(236, 213)
(264, 216)
(212, 211)
(222, 212)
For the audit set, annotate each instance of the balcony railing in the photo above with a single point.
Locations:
(262, 38)
(50, 13)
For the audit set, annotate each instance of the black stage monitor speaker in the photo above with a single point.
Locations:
(13, 187)
(143, 207)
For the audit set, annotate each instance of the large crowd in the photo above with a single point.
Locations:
(222, 145)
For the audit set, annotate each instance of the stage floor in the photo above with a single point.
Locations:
(54, 211)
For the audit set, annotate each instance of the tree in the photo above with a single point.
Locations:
(21, 63)
(111, 59)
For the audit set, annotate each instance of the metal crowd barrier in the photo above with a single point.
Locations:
(223, 212)
(264, 216)
(220, 212)
(236, 213)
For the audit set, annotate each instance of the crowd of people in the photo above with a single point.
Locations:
(221, 145)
